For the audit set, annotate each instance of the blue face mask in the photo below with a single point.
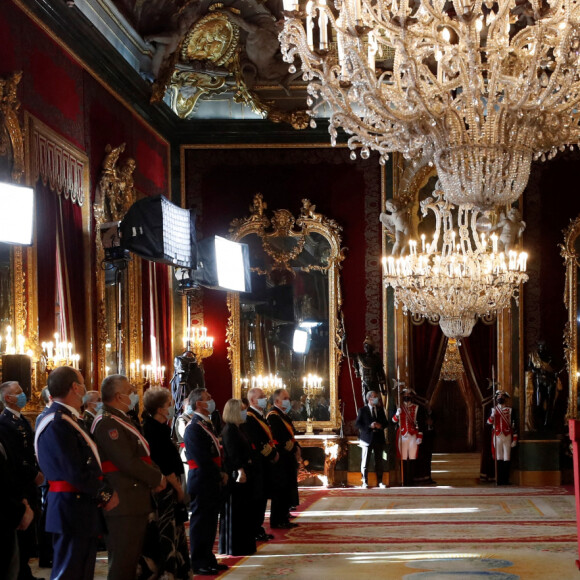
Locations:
(263, 403)
(244, 413)
(188, 410)
(374, 400)
(21, 400)
(170, 412)
(134, 400)
(286, 405)
(98, 407)
(210, 406)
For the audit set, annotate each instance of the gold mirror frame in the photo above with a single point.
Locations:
(114, 196)
(572, 263)
(284, 224)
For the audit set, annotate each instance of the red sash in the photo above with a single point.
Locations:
(193, 464)
(110, 467)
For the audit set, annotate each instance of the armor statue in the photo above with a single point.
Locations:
(541, 384)
(188, 375)
(368, 366)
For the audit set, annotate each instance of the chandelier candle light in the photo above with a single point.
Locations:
(482, 88)
(148, 373)
(60, 353)
(468, 276)
(12, 346)
(198, 342)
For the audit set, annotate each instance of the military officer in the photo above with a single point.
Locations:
(285, 488)
(70, 461)
(128, 469)
(409, 437)
(264, 455)
(17, 433)
(205, 482)
(91, 404)
(504, 436)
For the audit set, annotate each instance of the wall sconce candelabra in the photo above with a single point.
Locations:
(59, 353)
(14, 345)
(146, 373)
(198, 342)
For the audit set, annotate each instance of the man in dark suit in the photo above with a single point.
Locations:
(264, 455)
(91, 404)
(371, 423)
(127, 466)
(17, 433)
(205, 481)
(285, 488)
(70, 461)
(16, 515)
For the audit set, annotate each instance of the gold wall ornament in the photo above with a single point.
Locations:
(570, 251)
(114, 196)
(116, 190)
(11, 135)
(286, 246)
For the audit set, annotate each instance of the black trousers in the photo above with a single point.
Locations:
(376, 448)
(203, 524)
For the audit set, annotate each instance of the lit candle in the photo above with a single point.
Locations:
(309, 24)
(372, 50)
(423, 243)
(494, 242)
(323, 25)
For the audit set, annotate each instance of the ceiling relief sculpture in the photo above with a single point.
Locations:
(208, 48)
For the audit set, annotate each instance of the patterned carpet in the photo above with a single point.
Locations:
(424, 534)
(434, 533)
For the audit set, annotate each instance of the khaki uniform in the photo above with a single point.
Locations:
(128, 469)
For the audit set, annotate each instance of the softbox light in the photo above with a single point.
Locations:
(223, 264)
(16, 214)
(160, 231)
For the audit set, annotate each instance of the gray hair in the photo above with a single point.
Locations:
(4, 388)
(110, 387)
(90, 396)
(369, 394)
(45, 395)
(252, 393)
(233, 412)
(195, 396)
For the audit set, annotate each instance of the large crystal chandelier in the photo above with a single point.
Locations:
(482, 87)
(458, 276)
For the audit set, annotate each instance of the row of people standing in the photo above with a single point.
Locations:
(259, 461)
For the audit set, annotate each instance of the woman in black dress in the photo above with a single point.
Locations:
(234, 537)
(166, 556)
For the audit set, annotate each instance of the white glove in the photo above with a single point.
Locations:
(514, 443)
(398, 412)
(419, 441)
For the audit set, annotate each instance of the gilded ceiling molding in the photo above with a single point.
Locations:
(59, 165)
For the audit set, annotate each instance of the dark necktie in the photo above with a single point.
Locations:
(374, 412)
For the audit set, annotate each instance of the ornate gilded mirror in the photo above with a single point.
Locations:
(570, 251)
(285, 332)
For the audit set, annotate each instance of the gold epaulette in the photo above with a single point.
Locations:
(266, 450)
(289, 445)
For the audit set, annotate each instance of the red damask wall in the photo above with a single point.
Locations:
(60, 92)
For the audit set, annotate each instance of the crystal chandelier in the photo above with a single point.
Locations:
(479, 87)
(469, 276)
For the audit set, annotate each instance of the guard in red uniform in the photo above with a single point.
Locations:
(409, 437)
(504, 436)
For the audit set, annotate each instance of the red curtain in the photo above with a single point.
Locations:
(427, 351)
(72, 245)
(46, 227)
(478, 353)
(157, 316)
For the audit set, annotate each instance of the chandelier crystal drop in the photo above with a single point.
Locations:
(460, 275)
(480, 87)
